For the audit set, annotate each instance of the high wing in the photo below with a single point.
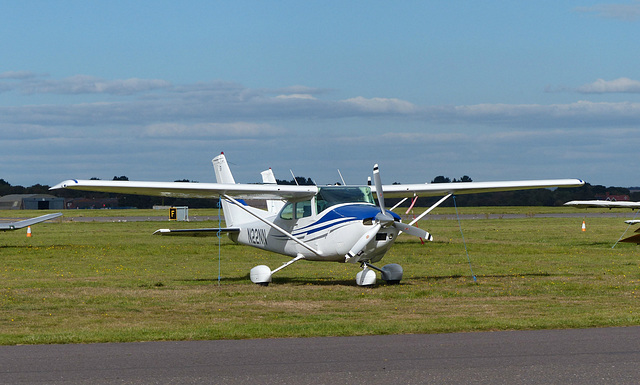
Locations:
(287, 192)
(27, 222)
(604, 204)
(192, 190)
(438, 189)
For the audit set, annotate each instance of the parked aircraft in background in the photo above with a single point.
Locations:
(6, 226)
(612, 205)
(313, 223)
(604, 204)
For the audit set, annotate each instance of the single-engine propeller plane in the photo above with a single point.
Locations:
(313, 223)
(7, 226)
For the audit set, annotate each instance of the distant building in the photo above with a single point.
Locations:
(613, 198)
(31, 202)
(87, 203)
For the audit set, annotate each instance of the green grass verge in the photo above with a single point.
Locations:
(76, 282)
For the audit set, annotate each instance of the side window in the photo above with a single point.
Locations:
(303, 209)
(287, 211)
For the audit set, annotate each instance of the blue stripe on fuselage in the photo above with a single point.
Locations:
(340, 215)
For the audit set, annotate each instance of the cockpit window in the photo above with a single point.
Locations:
(334, 195)
(300, 209)
(303, 209)
(287, 211)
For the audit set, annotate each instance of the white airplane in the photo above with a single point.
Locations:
(313, 223)
(7, 226)
(604, 204)
(633, 238)
(612, 205)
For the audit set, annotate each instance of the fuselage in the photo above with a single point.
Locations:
(331, 222)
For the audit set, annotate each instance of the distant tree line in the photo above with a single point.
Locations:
(299, 180)
(537, 197)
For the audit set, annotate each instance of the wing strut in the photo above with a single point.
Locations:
(296, 259)
(274, 226)
(398, 204)
(438, 203)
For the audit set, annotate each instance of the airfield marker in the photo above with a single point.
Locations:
(584, 227)
(28, 231)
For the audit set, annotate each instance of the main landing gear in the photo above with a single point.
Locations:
(391, 273)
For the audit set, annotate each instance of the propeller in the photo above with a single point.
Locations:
(383, 219)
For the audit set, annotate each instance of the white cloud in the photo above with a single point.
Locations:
(381, 105)
(228, 103)
(624, 12)
(83, 84)
(300, 89)
(18, 75)
(187, 131)
(577, 114)
(620, 85)
(296, 96)
(230, 110)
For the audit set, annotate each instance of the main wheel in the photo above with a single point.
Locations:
(261, 275)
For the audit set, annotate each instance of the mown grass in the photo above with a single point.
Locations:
(76, 282)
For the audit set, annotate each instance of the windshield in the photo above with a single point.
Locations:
(334, 195)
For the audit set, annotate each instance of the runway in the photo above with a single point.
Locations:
(586, 356)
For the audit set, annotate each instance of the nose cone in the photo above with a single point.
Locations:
(385, 218)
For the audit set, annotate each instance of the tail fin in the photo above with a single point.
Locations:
(274, 206)
(233, 215)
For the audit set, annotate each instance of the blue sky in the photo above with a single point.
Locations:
(497, 90)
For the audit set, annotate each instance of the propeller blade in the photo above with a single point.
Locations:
(378, 182)
(362, 242)
(412, 230)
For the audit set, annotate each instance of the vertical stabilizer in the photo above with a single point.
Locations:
(233, 215)
(222, 170)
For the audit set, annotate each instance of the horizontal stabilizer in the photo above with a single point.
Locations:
(28, 222)
(205, 232)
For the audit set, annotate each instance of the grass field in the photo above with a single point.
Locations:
(79, 282)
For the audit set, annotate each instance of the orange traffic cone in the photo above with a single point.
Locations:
(584, 227)
(28, 231)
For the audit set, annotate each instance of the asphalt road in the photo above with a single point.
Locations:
(587, 356)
